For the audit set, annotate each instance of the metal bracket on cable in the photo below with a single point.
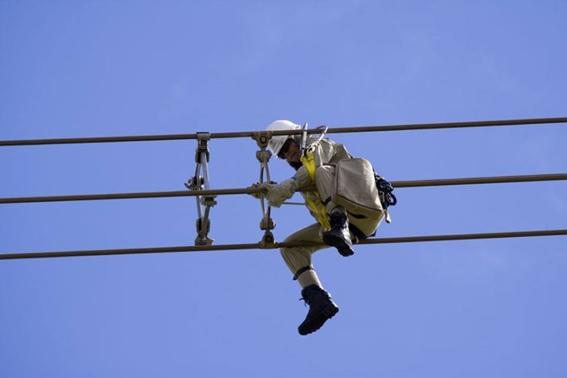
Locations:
(263, 155)
(201, 182)
(304, 138)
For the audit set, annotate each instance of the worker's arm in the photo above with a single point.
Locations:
(278, 193)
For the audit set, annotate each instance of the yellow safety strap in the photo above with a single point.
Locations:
(312, 199)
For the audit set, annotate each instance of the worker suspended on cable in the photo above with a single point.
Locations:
(340, 192)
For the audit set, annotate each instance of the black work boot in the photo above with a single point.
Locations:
(321, 308)
(339, 235)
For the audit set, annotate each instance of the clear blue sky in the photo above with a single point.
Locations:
(487, 309)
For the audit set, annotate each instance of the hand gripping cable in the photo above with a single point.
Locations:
(201, 182)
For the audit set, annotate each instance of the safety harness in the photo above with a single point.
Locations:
(312, 198)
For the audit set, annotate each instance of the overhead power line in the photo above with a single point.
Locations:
(227, 247)
(234, 191)
(247, 134)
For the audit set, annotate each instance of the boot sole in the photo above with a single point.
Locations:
(329, 312)
(337, 242)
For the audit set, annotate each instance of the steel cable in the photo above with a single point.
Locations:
(249, 134)
(227, 247)
(249, 190)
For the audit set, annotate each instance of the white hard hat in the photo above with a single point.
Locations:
(277, 141)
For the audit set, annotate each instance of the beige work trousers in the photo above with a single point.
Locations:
(300, 257)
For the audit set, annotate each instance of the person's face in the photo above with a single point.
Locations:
(290, 151)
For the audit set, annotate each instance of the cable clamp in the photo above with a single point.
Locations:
(202, 151)
(209, 201)
(268, 241)
(203, 226)
(262, 138)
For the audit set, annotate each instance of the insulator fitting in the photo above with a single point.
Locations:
(263, 156)
(202, 146)
(201, 182)
(209, 201)
(195, 183)
(262, 138)
(203, 226)
(268, 240)
(267, 224)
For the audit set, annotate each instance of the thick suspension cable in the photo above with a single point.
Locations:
(229, 247)
(235, 191)
(248, 134)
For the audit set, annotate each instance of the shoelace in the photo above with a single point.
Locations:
(305, 304)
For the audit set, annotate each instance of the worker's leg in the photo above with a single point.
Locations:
(298, 259)
(338, 236)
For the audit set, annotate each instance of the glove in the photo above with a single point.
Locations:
(257, 186)
(278, 193)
